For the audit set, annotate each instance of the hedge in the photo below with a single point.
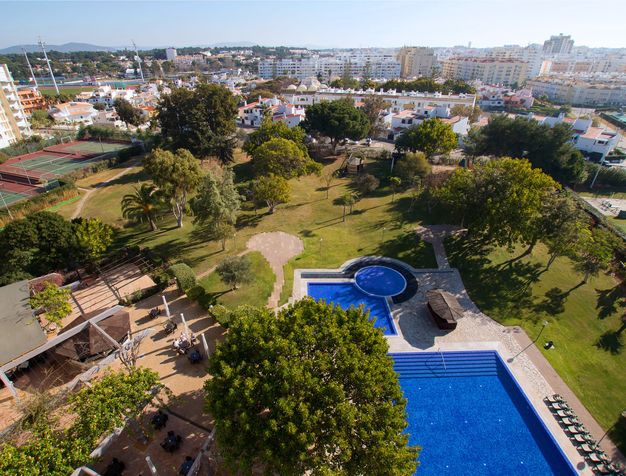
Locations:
(185, 277)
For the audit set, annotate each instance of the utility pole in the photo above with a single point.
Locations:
(32, 73)
(138, 60)
(45, 55)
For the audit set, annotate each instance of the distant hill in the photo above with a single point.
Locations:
(65, 48)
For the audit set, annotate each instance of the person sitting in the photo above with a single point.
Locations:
(186, 466)
(171, 442)
(154, 312)
(195, 356)
(115, 468)
(159, 420)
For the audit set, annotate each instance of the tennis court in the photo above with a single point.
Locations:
(14, 192)
(88, 147)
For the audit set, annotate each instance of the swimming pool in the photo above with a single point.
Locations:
(379, 281)
(471, 418)
(346, 294)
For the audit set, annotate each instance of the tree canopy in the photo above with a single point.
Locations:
(548, 148)
(272, 190)
(54, 301)
(93, 237)
(411, 167)
(336, 120)
(431, 137)
(274, 129)
(144, 203)
(177, 174)
(128, 113)
(284, 158)
(235, 270)
(200, 120)
(217, 201)
(372, 107)
(309, 390)
(500, 201)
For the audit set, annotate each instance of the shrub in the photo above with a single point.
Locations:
(126, 154)
(221, 314)
(411, 167)
(185, 277)
(366, 183)
(607, 176)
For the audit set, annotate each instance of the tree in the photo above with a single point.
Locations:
(222, 230)
(255, 94)
(347, 201)
(235, 270)
(327, 179)
(40, 118)
(336, 120)
(412, 167)
(308, 390)
(366, 183)
(55, 244)
(547, 148)
(144, 203)
(128, 113)
(198, 120)
(373, 105)
(395, 183)
(284, 158)
(431, 137)
(500, 201)
(217, 201)
(93, 237)
(54, 301)
(472, 113)
(177, 174)
(594, 252)
(272, 190)
(274, 129)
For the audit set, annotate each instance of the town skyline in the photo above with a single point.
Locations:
(354, 25)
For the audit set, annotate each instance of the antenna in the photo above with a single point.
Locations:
(30, 67)
(138, 61)
(43, 48)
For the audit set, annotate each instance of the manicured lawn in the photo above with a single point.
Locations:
(255, 293)
(50, 91)
(584, 319)
(376, 226)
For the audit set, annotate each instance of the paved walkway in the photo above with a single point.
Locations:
(435, 235)
(89, 191)
(278, 248)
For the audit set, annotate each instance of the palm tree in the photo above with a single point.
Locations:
(144, 203)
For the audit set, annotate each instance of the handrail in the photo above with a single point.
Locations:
(443, 360)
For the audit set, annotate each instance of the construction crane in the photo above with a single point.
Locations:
(43, 48)
(138, 59)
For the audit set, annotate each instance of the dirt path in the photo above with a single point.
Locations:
(278, 248)
(83, 200)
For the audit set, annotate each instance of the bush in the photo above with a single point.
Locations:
(221, 314)
(185, 277)
(411, 167)
(607, 176)
(126, 154)
(366, 183)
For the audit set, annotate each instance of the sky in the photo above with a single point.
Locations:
(314, 23)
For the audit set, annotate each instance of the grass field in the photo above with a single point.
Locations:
(255, 293)
(584, 319)
(50, 91)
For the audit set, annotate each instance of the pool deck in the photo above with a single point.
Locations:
(417, 332)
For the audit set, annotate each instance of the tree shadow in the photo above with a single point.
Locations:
(610, 300)
(252, 221)
(410, 248)
(553, 303)
(611, 341)
(131, 178)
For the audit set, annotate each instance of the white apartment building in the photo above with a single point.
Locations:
(378, 66)
(398, 100)
(594, 142)
(580, 92)
(252, 114)
(498, 98)
(558, 45)
(73, 113)
(398, 122)
(170, 54)
(106, 95)
(13, 122)
(531, 54)
(416, 61)
(487, 70)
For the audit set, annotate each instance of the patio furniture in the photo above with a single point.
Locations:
(559, 406)
(186, 466)
(195, 356)
(576, 429)
(171, 442)
(587, 448)
(564, 413)
(159, 420)
(581, 438)
(556, 398)
(115, 468)
(444, 308)
(595, 458)
(569, 421)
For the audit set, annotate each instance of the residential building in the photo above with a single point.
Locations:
(416, 61)
(13, 122)
(73, 113)
(581, 92)
(106, 95)
(31, 99)
(531, 54)
(398, 100)
(505, 71)
(594, 142)
(170, 54)
(252, 114)
(558, 45)
(499, 98)
(398, 122)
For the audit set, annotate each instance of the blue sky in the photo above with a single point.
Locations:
(320, 23)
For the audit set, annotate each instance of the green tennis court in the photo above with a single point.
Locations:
(40, 161)
(7, 198)
(92, 147)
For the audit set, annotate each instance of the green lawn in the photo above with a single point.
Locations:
(584, 319)
(255, 293)
(619, 223)
(50, 91)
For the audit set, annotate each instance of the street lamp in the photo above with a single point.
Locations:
(545, 323)
(622, 415)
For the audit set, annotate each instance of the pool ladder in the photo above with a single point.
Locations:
(443, 360)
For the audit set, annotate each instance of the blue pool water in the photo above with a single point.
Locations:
(471, 418)
(379, 281)
(345, 295)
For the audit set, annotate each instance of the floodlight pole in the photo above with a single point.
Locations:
(43, 48)
(32, 73)
(138, 61)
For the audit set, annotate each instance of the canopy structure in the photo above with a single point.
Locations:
(90, 341)
(444, 308)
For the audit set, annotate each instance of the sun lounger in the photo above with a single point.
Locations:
(595, 458)
(564, 413)
(556, 398)
(576, 429)
(569, 421)
(587, 448)
(559, 406)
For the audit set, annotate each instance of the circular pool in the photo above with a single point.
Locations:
(379, 281)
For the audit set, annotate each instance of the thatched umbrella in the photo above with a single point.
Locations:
(89, 341)
(444, 308)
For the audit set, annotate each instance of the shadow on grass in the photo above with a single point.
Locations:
(408, 247)
(125, 179)
(553, 303)
(611, 341)
(617, 433)
(610, 300)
